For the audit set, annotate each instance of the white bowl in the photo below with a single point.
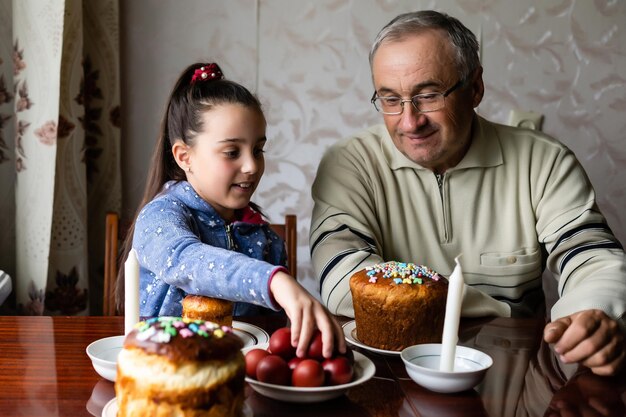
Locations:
(364, 369)
(103, 354)
(422, 365)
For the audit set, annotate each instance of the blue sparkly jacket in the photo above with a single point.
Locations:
(184, 246)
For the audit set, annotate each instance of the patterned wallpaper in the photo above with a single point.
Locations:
(307, 61)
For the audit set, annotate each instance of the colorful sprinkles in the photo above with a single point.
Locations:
(163, 329)
(401, 273)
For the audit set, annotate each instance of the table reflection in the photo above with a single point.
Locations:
(102, 393)
(528, 379)
(589, 395)
(44, 370)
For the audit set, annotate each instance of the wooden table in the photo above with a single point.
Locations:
(44, 371)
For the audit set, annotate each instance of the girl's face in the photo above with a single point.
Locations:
(226, 161)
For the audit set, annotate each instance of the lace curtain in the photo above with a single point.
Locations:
(59, 150)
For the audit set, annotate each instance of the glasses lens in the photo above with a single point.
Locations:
(388, 105)
(425, 103)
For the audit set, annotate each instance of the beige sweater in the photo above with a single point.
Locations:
(518, 200)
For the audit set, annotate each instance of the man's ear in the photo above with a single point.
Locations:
(182, 155)
(478, 87)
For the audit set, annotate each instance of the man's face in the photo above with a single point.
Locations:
(419, 64)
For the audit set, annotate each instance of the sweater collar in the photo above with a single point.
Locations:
(484, 151)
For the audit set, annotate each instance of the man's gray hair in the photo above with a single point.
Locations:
(462, 39)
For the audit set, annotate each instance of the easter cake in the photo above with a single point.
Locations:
(398, 304)
(173, 366)
(209, 309)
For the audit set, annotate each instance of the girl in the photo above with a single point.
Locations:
(197, 231)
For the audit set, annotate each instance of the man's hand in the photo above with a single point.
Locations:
(591, 338)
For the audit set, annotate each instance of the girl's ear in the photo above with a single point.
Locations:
(182, 155)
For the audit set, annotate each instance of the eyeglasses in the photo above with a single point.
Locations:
(423, 103)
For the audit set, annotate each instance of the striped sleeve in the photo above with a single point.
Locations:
(343, 239)
(583, 254)
(339, 251)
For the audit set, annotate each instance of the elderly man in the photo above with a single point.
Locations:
(437, 180)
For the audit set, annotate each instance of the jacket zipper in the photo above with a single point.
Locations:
(444, 205)
(229, 237)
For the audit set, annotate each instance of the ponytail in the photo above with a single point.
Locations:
(197, 90)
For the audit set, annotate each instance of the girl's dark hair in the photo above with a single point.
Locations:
(183, 120)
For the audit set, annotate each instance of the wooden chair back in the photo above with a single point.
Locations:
(111, 254)
(288, 231)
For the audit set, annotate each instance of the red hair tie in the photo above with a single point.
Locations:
(207, 72)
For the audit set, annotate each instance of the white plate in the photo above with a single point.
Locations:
(364, 369)
(250, 334)
(349, 331)
(111, 409)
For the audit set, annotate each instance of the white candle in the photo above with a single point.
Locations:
(131, 291)
(451, 321)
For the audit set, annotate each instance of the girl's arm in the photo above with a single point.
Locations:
(168, 246)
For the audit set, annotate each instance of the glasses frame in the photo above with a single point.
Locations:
(412, 100)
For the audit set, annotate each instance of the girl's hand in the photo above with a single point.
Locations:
(306, 313)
